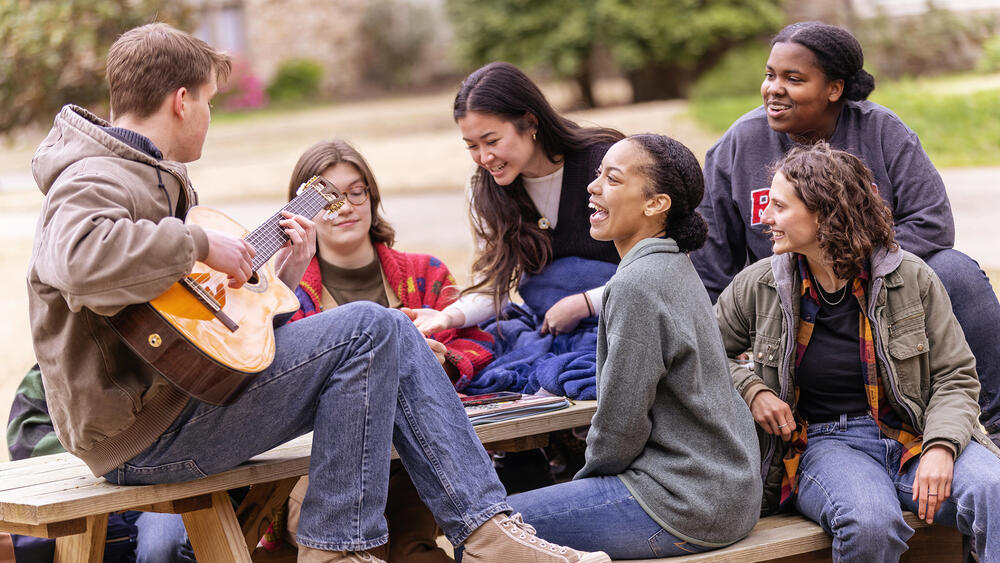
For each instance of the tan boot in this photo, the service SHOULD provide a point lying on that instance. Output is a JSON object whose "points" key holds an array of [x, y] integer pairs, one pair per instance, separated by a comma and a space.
{"points": [[312, 555], [509, 540]]}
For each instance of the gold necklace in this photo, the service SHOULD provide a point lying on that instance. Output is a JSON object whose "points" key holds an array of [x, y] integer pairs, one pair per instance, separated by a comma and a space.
{"points": [[543, 221]]}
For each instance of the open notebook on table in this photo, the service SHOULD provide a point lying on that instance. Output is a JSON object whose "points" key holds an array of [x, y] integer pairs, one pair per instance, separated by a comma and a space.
{"points": [[506, 410]]}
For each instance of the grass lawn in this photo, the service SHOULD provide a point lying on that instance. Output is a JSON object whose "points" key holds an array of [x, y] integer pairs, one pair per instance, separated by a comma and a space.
{"points": [[957, 117]]}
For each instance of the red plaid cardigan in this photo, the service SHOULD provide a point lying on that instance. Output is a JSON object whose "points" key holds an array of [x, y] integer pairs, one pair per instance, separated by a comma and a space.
{"points": [[420, 281]]}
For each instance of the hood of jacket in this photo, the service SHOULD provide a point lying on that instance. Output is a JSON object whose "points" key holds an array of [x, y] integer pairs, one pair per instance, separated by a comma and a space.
{"points": [[77, 133]]}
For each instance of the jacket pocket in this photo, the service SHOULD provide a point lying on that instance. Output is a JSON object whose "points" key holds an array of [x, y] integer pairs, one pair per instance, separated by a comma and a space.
{"points": [[766, 350], [908, 346], [766, 357]]}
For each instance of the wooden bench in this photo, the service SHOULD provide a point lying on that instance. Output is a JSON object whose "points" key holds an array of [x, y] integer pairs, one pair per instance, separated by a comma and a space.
{"points": [[57, 497], [789, 537]]}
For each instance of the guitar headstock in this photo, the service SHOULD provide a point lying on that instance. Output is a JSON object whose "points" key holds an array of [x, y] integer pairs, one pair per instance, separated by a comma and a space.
{"points": [[335, 198]]}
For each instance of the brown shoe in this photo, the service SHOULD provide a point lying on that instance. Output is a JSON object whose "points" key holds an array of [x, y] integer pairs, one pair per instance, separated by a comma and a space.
{"points": [[508, 539], [312, 555]]}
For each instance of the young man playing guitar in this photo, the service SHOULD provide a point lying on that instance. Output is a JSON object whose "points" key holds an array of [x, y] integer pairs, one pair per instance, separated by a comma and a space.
{"points": [[360, 377]]}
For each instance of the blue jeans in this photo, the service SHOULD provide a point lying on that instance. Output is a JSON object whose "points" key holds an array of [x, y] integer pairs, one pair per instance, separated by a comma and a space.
{"points": [[598, 514], [976, 307], [161, 538], [851, 485], [361, 378]]}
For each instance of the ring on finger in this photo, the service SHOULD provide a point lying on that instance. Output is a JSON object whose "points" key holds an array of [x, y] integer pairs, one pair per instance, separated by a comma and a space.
{"points": [[932, 494], [782, 425]]}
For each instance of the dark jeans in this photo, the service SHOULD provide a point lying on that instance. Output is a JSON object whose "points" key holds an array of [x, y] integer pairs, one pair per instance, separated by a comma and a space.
{"points": [[976, 307]]}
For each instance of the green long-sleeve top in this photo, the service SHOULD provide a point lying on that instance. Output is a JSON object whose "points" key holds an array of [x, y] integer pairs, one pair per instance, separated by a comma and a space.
{"points": [[669, 423]]}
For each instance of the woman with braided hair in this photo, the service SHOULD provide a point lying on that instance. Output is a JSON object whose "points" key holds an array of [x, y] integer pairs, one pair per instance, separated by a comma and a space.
{"points": [[672, 461], [815, 88]]}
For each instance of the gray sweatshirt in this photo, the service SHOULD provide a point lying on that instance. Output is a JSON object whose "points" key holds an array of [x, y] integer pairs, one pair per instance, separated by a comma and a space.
{"points": [[669, 423], [737, 178]]}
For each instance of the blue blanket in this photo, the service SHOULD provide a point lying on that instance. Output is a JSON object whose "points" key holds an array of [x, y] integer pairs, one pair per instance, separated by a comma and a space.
{"points": [[526, 360]]}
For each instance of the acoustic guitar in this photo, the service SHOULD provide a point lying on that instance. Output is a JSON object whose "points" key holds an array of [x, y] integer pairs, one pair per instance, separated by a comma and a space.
{"points": [[211, 340]]}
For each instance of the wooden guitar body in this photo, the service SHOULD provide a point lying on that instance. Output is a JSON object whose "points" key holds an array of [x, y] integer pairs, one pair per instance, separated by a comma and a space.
{"points": [[205, 337]]}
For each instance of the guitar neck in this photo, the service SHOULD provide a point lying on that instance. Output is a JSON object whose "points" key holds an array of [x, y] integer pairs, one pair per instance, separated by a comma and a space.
{"points": [[270, 237]]}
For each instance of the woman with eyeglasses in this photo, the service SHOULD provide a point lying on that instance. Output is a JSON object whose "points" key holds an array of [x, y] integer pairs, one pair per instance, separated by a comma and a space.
{"points": [[355, 261]]}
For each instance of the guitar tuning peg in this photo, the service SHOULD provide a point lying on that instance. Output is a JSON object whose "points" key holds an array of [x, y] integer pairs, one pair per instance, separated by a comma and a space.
{"points": [[330, 215], [301, 189]]}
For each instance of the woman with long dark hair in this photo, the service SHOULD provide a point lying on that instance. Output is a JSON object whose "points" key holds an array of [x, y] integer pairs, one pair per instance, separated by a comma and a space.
{"points": [[815, 88], [528, 196], [860, 381]]}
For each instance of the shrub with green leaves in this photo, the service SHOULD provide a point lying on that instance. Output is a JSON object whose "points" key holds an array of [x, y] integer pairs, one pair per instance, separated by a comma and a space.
{"points": [[52, 52], [296, 80], [989, 60]]}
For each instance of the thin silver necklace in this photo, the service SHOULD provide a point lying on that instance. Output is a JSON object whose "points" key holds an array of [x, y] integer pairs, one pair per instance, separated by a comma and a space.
{"points": [[842, 291]]}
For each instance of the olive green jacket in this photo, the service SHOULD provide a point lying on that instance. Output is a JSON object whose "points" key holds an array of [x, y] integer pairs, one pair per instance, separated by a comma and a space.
{"points": [[920, 348]]}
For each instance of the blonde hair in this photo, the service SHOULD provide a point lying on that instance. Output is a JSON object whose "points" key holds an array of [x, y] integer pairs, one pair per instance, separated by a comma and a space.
{"points": [[148, 63]]}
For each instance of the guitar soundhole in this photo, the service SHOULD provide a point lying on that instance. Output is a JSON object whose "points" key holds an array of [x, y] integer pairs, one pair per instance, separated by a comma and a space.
{"points": [[256, 283]]}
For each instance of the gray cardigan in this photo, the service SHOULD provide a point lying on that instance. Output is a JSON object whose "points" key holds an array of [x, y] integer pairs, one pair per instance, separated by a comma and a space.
{"points": [[669, 423]]}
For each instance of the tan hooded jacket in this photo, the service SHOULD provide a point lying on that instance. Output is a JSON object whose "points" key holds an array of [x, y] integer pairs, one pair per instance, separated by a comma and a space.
{"points": [[108, 236]]}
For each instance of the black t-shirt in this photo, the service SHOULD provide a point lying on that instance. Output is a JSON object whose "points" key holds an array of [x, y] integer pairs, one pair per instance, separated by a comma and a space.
{"points": [[829, 375]]}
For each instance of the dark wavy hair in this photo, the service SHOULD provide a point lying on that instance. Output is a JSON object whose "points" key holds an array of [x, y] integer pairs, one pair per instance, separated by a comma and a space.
{"points": [[325, 154], [672, 169], [853, 218], [838, 53], [506, 217]]}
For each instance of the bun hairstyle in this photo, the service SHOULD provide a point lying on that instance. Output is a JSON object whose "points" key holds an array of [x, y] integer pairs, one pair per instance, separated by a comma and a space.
{"points": [[838, 53], [672, 169], [853, 219]]}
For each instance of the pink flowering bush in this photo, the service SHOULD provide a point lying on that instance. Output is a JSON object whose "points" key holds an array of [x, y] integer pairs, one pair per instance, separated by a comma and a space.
{"points": [[243, 90]]}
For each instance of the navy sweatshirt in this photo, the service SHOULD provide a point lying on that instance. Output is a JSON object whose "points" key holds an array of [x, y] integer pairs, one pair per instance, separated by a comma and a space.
{"points": [[737, 178]]}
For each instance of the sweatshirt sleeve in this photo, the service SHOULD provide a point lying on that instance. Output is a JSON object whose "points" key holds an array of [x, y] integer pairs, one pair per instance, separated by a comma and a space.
{"points": [[95, 250], [627, 381], [724, 253], [921, 211]]}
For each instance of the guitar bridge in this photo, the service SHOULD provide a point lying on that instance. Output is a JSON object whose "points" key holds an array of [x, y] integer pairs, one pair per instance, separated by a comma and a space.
{"points": [[209, 302]]}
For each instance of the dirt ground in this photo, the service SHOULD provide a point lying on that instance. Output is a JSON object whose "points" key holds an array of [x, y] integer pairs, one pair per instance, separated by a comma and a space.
{"points": [[420, 163]]}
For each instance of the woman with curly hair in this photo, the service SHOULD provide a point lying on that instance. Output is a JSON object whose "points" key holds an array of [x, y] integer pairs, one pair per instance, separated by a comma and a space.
{"points": [[671, 459], [860, 380], [815, 88]]}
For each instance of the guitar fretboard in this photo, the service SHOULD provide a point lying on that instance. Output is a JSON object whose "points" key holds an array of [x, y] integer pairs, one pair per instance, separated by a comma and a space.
{"points": [[270, 237]]}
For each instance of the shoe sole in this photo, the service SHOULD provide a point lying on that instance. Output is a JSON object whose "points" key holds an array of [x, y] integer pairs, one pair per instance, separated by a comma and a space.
{"points": [[596, 557]]}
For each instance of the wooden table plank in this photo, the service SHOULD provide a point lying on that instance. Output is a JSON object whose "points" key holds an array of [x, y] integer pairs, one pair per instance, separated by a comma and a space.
{"points": [[64, 489]]}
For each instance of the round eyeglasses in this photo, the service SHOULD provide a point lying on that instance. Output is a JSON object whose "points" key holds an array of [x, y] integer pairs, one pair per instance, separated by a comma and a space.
{"points": [[357, 194]]}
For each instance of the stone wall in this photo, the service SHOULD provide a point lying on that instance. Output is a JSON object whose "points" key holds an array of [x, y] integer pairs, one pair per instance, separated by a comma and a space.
{"points": [[323, 30]]}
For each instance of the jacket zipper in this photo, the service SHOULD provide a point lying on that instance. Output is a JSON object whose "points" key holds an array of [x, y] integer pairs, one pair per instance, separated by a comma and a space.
{"points": [[782, 387]]}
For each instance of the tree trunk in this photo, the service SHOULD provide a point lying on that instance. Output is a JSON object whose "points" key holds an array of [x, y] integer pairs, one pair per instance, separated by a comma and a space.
{"points": [[660, 81], [583, 82]]}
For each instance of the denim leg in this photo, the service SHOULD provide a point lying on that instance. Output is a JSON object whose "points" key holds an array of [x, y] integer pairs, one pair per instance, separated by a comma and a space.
{"points": [[436, 444], [162, 538], [976, 307], [338, 374], [974, 504], [598, 514], [846, 485]]}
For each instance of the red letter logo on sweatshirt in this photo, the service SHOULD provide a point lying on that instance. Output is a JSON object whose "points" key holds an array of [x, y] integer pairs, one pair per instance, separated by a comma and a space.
{"points": [[758, 201]]}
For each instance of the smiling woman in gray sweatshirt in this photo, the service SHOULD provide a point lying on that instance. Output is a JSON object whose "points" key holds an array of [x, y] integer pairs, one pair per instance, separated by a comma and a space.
{"points": [[672, 458]]}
